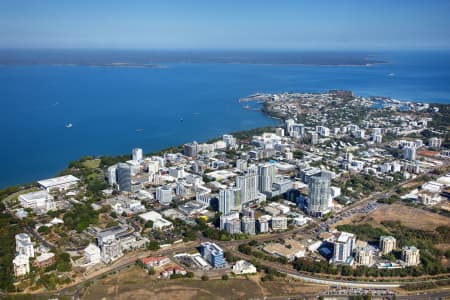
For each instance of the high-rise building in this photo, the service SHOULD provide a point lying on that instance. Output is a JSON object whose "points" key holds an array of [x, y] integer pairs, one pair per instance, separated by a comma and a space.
{"points": [[266, 177], [387, 244], [137, 154], [279, 223], [364, 256], [226, 218], [123, 174], [233, 226], [343, 247], [164, 194], [409, 153], [21, 265], [411, 255], [434, 142], [24, 245], [314, 138], [213, 254], [190, 149], [319, 201], [111, 249], [263, 223], [248, 184], [112, 175], [248, 225], [229, 200], [229, 140]]}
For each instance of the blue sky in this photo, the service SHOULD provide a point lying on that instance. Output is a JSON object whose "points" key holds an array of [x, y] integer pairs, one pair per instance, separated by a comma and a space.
{"points": [[297, 24]]}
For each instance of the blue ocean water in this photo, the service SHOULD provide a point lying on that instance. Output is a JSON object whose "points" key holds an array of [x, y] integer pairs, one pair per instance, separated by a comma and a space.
{"points": [[106, 104]]}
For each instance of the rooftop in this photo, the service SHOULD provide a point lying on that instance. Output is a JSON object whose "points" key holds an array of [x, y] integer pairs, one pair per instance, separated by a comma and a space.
{"points": [[58, 181]]}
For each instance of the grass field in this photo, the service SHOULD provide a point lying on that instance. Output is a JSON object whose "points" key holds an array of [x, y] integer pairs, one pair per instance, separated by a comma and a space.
{"points": [[92, 163], [409, 216], [136, 284]]}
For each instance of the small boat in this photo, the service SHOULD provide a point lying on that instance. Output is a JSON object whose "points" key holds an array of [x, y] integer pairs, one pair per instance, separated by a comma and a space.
{"points": [[181, 120], [69, 125], [139, 129]]}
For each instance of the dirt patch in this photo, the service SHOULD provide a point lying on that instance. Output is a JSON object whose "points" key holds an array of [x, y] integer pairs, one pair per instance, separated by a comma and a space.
{"points": [[136, 284], [415, 218]]}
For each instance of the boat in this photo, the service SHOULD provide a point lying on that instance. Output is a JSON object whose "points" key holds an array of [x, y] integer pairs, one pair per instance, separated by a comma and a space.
{"points": [[139, 129], [69, 125], [181, 120]]}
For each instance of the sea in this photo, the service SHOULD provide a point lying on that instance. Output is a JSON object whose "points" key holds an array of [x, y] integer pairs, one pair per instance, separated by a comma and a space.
{"points": [[156, 101]]}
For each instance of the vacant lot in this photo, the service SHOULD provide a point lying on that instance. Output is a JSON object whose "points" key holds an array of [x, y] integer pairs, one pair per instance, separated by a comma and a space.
{"points": [[409, 216], [135, 284]]}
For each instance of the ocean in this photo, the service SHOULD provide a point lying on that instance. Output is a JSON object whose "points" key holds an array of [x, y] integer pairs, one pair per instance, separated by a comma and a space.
{"points": [[178, 102]]}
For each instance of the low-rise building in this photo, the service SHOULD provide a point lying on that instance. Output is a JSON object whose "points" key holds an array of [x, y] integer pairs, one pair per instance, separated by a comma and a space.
{"points": [[243, 267], [59, 183], [40, 201], [291, 249], [154, 262], [44, 260], [158, 221]]}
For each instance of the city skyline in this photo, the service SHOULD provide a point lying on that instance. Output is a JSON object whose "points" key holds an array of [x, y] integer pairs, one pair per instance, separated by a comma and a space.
{"points": [[231, 25]]}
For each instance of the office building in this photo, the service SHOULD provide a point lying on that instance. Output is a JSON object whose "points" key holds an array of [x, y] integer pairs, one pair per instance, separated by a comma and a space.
{"points": [[319, 201], [266, 177], [343, 247], [213, 254], [164, 194], [387, 244], [411, 255], [123, 175]]}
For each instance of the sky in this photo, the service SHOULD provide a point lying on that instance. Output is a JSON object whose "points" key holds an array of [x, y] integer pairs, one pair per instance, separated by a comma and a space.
{"points": [[225, 24]]}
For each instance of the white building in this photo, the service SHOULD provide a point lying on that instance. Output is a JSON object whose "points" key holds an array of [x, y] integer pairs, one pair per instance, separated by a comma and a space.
{"points": [[158, 221], [279, 223], [38, 201], [111, 250], [137, 154], [243, 267], [60, 183], [164, 194], [112, 176], [411, 255], [92, 254], [24, 245], [343, 247], [364, 256], [387, 244], [248, 225], [229, 200], [263, 223], [409, 153], [21, 265], [229, 140]]}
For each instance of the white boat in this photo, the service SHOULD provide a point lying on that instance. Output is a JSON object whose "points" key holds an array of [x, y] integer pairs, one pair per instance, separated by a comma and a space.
{"points": [[69, 125]]}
